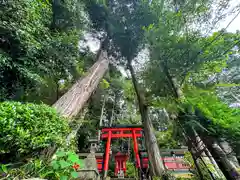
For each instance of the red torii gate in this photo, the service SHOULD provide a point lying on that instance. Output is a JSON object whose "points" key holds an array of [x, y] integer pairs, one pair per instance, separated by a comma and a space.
{"points": [[109, 133]]}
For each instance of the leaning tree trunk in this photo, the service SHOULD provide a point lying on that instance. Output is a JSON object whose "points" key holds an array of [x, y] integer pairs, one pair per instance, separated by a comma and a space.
{"points": [[216, 149], [156, 163], [230, 153], [192, 152], [207, 157], [70, 104], [73, 101], [228, 165], [153, 151], [199, 145]]}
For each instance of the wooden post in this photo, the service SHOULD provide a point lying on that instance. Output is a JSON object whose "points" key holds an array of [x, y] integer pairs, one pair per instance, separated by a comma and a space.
{"points": [[107, 151], [135, 148]]}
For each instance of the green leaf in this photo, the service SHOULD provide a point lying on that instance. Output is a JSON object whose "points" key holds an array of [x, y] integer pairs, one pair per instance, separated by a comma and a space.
{"points": [[73, 157], [46, 174], [63, 178], [104, 84], [4, 168], [55, 165], [35, 127], [61, 154], [74, 174], [64, 164]]}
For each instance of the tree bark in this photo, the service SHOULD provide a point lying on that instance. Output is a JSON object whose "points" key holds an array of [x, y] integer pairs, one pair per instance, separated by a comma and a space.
{"points": [[206, 157], [177, 92], [154, 156], [73, 101], [76, 128], [227, 164], [217, 151], [199, 144], [101, 118], [70, 104], [192, 152], [112, 113], [229, 152], [220, 173]]}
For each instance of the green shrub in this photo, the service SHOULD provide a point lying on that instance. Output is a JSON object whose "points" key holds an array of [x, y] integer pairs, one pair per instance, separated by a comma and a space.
{"points": [[131, 170], [63, 166], [28, 128]]}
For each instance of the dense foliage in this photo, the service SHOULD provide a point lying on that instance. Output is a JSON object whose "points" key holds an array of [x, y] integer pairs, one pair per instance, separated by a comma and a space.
{"points": [[28, 128], [218, 118], [39, 46]]}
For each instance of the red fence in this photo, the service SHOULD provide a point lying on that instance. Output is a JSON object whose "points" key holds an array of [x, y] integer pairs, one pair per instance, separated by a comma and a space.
{"points": [[171, 163]]}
